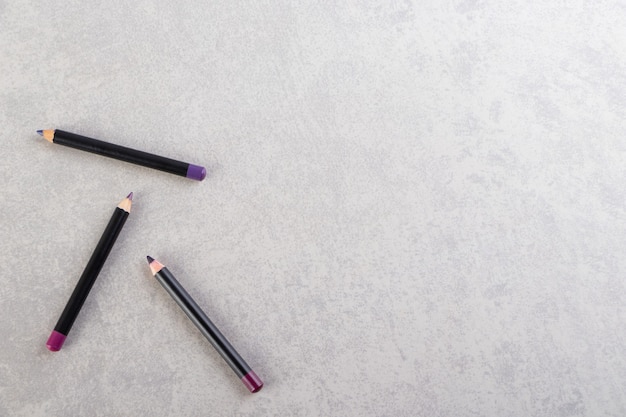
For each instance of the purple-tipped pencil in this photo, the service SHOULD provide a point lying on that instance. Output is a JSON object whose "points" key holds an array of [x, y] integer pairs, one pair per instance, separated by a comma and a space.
{"points": [[206, 326], [184, 169], [88, 278]]}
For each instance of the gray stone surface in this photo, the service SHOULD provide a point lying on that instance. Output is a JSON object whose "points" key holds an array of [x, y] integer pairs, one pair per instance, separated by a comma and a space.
{"points": [[412, 208]]}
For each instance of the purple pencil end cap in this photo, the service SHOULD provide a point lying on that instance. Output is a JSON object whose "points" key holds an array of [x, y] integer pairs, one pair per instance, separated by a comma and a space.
{"points": [[252, 382], [196, 172], [55, 341]]}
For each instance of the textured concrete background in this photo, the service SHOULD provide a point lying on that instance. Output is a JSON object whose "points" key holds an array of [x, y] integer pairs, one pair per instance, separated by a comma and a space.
{"points": [[412, 208]]}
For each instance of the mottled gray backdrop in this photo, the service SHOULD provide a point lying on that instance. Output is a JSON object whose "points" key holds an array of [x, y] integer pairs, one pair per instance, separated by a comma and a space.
{"points": [[412, 208]]}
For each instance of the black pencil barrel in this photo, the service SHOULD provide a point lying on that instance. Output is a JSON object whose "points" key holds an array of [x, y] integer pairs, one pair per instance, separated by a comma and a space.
{"points": [[88, 278], [202, 322], [121, 153]]}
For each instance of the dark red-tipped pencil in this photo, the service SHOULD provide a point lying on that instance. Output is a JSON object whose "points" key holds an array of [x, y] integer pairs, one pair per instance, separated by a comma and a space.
{"points": [[206, 327], [184, 169], [87, 279]]}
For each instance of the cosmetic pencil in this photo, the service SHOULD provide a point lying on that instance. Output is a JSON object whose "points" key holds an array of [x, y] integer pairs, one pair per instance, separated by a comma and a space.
{"points": [[87, 279], [184, 169], [205, 325]]}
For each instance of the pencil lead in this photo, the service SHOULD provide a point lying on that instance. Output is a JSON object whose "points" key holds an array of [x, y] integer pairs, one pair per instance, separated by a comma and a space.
{"points": [[150, 259], [40, 132], [130, 196]]}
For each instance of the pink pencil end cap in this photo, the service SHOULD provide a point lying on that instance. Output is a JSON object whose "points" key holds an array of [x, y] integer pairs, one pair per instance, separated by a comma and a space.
{"points": [[252, 382], [55, 341]]}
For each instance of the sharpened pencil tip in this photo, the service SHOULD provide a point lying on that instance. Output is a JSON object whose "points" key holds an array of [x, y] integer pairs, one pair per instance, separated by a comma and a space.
{"points": [[150, 259], [40, 132], [130, 196]]}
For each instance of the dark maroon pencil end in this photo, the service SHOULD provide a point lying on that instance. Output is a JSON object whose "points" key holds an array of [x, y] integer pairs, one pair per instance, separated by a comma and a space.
{"points": [[252, 382], [55, 341], [150, 259], [196, 172]]}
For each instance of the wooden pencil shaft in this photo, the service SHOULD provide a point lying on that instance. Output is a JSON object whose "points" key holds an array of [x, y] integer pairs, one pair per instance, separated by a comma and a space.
{"points": [[91, 271], [202, 322], [121, 153]]}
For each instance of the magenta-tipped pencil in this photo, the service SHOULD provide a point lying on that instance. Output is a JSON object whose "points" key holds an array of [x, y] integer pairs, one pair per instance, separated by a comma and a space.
{"points": [[88, 278], [122, 153], [206, 326]]}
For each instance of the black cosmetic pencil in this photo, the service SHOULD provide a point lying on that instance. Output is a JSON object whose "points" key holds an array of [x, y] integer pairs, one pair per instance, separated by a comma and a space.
{"points": [[87, 279], [206, 327], [184, 169]]}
